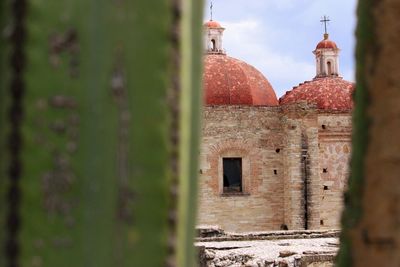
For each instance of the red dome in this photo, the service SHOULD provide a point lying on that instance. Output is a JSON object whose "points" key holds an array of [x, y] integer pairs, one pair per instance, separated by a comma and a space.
{"points": [[326, 43], [212, 24], [329, 93], [229, 81]]}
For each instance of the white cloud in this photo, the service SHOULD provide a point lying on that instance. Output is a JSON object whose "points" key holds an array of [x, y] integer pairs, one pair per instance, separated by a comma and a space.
{"points": [[243, 40]]}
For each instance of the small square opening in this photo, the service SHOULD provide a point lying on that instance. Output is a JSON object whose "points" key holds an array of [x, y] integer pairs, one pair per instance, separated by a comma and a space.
{"points": [[232, 175]]}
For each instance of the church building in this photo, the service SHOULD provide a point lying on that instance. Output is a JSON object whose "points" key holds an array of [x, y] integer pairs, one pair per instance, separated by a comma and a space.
{"points": [[269, 163]]}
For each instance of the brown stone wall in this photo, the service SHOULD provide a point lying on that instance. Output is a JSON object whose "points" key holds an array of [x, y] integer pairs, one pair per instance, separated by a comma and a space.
{"points": [[280, 148], [310, 130], [292, 174], [334, 150], [301, 165], [255, 134]]}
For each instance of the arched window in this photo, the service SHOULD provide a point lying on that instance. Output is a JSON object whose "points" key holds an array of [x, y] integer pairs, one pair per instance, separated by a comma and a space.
{"points": [[329, 68], [213, 45]]}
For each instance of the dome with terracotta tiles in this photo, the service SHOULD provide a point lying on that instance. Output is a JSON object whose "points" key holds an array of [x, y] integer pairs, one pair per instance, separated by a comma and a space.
{"points": [[229, 81], [327, 93], [212, 24], [327, 43]]}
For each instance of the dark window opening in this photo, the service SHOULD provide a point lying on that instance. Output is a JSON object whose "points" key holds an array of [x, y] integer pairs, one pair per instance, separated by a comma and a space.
{"points": [[324, 170], [326, 187], [232, 175], [213, 45], [329, 68], [277, 150], [275, 172], [323, 126], [321, 222]]}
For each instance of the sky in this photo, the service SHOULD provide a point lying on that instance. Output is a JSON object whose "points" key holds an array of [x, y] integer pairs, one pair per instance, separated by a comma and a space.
{"points": [[278, 36]]}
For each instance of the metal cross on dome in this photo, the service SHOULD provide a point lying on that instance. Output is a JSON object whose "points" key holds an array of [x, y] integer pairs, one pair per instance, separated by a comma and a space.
{"points": [[325, 20], [211, 10]]}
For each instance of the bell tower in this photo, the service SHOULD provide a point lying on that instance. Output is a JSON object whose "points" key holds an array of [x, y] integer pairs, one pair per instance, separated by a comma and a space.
{"points": [[327, 56], [213, 37]]}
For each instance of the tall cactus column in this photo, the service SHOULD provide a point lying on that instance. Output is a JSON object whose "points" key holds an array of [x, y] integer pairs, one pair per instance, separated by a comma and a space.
{"points": [[191, 101], [109, 133], [371, 220], [4, 74], [13, 116]]}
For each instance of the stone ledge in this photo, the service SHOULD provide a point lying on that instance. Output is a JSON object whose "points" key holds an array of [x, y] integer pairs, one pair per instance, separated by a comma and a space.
{"points": [[307, 252], [235, 194], [270, 235]]}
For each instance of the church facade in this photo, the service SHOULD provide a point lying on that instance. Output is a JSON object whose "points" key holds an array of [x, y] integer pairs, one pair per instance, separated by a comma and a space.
{"points": [[269, 164]]}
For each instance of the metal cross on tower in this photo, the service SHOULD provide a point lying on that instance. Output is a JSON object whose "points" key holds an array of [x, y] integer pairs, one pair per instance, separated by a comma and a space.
{"points": [[211, 10], [325, 20]]}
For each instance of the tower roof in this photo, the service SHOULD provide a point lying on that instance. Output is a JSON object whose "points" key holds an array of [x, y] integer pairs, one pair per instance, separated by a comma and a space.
{"points": [[326, 43], [212, 24], [229, 81], [328, 93]]}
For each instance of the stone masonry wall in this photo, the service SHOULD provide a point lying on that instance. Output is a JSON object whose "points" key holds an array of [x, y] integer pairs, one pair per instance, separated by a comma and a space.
{"points": [[272, 142], [293, 182], [334, 150], [309, 124], [255, 135], [301, 166]]}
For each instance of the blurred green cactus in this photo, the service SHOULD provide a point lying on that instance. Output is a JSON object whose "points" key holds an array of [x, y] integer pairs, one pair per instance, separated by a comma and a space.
{"points": [[110, 97], [370, 220], [353, 209], [3, 75]]}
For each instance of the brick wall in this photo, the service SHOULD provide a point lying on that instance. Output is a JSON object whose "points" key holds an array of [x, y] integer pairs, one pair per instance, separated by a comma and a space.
{"points": [[270, 141], [334, 157]]}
